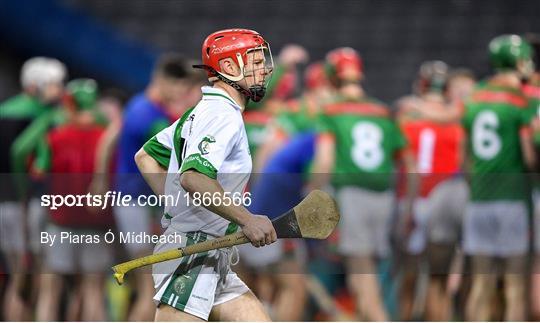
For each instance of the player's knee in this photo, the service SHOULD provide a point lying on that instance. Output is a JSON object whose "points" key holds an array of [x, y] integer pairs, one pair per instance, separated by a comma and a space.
{"points": [[166, 313]]}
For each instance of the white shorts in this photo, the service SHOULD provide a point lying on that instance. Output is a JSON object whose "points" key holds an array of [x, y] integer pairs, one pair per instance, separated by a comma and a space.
{"points": [[447, 204], [12, 227], [438, 217], [262, 257], [72, 258], [197, 283], [496, 229], [364, 224], [134, 219], [37, 222]]}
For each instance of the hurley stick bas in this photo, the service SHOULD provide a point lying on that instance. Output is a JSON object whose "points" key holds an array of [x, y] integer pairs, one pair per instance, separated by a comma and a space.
{"points": [[314, 217]]}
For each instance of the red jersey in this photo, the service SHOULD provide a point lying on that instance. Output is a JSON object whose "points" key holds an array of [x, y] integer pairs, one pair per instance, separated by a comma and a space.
{"points": [[73, 152], [437, 149]]}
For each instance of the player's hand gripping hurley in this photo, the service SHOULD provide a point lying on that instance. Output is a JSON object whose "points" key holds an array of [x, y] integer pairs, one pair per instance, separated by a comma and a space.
{"points": [[315, 217]]}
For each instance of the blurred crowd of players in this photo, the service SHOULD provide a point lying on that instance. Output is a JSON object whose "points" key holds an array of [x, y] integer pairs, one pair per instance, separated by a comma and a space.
{"points": [[436, 190]]}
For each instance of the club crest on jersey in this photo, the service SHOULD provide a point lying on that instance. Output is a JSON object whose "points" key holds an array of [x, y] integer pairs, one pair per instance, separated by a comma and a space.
{"points": [[205, 144], [180, 284]]}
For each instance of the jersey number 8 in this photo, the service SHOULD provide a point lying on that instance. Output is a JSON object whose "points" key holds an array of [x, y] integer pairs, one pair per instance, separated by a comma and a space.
{"points": [[367, 152]]}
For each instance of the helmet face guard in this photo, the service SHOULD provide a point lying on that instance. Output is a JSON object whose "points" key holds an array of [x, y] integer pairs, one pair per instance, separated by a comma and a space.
{"points": [[260, 63]]}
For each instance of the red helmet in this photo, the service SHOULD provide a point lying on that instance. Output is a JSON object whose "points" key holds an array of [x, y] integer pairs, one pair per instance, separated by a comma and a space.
{"points": [[315, 76], [235, 44], [344, 63]]}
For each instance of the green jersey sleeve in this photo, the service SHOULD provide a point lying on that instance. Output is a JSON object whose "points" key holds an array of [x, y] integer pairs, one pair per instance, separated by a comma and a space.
{"points": [[160, 146], [26, 142], [43, 156]]}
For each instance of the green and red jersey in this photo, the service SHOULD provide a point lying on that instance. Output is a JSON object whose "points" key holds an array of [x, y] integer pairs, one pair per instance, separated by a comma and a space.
{"points": [[494, 117], [367, 140], [532, 92], [72, 152], [255, 122], [297, 117], [437, 150], [16, 116]]}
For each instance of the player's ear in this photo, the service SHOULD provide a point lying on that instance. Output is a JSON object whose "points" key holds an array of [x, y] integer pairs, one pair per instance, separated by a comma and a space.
{"points": [[228, 66]]}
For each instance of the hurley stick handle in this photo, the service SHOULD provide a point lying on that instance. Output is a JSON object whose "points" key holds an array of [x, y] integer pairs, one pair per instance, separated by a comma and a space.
{"points": [[224, 242]]}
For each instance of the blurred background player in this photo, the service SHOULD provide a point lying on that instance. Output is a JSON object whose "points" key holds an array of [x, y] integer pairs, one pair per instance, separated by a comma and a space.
{"points": [[356, 149], [284, 84], [272, 275], [278, 272], [175, 86], [297, 115], [42, 81], [282, 87], [111, 105], [71, 154], [531, 89], [284, 160], [438, 209], [444, 227], [495, 224], [460, 85]]}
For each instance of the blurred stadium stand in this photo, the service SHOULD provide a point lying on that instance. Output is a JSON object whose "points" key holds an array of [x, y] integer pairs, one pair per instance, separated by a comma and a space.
{"points": [[88, 47], [393, 36]]}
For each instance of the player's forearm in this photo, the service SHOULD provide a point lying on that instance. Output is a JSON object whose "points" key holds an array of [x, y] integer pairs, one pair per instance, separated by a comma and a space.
{"points": [[323, 164], [527, 148], [152, 172], [321, 173], [320, 177], [443, 114], [42, 162], [413, 180], [195, 182], [105, 149]]}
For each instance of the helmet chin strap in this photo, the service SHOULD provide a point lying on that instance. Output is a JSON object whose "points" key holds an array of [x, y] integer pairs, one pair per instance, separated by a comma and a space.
{"points": [[254, 93], [257, 92]]}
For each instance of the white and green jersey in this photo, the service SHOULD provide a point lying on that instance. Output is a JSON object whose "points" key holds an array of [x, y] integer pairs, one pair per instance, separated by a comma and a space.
{"points": [[211, 139]]}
